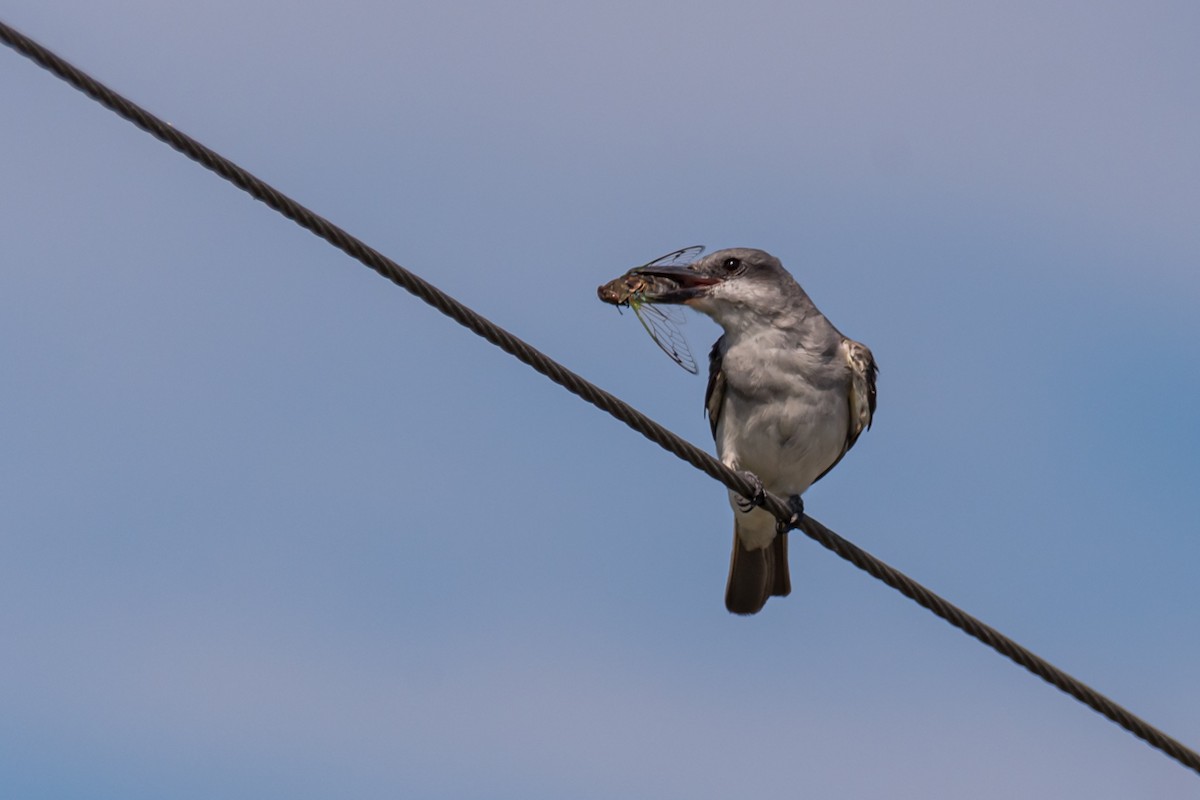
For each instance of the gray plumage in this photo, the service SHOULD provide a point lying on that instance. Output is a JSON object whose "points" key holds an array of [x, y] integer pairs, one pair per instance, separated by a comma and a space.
{"points": [[788, 396]]}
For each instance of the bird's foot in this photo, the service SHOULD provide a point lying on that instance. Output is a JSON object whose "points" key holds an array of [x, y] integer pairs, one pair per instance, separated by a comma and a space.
{"points": [[796, 506], [748, 504]]}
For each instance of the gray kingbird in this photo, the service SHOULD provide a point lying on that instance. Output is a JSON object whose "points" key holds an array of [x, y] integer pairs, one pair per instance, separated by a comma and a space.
{"points": [[788, 396]]}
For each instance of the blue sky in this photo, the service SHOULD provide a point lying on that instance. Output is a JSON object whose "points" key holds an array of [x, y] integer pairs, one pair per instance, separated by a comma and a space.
{"points": [[270, 527]]}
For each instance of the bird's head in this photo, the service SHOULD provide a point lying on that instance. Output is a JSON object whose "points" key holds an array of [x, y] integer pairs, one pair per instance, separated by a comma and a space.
{"points": [[737, 281]]}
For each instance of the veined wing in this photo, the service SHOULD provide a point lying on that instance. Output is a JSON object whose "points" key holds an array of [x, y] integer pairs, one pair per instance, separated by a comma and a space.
{"points": [[662, 323], [677, 258]]}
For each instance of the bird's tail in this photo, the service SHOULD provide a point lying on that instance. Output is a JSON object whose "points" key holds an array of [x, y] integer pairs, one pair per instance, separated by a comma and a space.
{"points": [[755, 575]]}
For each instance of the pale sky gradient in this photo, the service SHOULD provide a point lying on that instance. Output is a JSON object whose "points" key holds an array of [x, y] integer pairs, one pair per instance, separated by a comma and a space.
{"points": [[270, 527]]}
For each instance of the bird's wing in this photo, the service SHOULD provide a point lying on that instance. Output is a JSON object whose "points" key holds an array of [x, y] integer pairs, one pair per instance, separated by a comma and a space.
{"points": [[860, 397], [863, 371], [714, 396]]}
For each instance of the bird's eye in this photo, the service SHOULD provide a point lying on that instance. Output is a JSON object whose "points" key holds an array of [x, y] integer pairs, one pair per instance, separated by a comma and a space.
{"points": [[732, 264]]}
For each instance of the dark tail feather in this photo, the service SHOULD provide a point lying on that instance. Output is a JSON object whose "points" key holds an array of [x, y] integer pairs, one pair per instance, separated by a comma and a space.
{"points": [[783, 574], [755, 575]]}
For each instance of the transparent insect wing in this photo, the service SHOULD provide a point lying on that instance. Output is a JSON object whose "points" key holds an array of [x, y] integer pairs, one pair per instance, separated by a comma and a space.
{"points": [[662, 323], [677, 258]]}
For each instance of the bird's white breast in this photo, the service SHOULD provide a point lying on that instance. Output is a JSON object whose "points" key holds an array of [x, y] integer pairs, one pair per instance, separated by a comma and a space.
{"points": [[786, 414]]}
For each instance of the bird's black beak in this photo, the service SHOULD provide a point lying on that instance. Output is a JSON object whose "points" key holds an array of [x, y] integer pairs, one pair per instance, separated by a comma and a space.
{"points": [[675, 284]]}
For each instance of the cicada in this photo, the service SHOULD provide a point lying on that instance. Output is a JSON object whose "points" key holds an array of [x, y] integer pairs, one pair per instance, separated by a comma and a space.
{"points": [[660, 321]]}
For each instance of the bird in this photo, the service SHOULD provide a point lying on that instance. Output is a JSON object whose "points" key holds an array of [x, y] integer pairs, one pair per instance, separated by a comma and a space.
{"points": [[788, 395]]}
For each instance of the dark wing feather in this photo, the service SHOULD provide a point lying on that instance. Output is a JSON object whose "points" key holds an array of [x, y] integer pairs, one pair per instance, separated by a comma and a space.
{"points": [[863, 371], [861, 396], [714, 395]]}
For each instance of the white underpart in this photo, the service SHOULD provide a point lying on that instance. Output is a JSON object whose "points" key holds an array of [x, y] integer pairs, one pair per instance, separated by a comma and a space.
{"points": [[786, 413]]}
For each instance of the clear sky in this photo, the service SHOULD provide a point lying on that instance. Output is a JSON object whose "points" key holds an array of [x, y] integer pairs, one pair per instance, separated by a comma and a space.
{"points": [[271, 527]]}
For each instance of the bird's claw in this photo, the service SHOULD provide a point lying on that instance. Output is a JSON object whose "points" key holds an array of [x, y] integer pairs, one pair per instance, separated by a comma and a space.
{"points": [[796, 506], [748, 504]]}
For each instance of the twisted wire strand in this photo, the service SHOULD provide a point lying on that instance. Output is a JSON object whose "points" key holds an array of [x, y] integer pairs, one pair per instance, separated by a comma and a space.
{"points": [[593, 394]]}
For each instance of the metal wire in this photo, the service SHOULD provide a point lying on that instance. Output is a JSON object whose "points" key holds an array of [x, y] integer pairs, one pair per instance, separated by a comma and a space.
{"points": [[592, 393]]}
